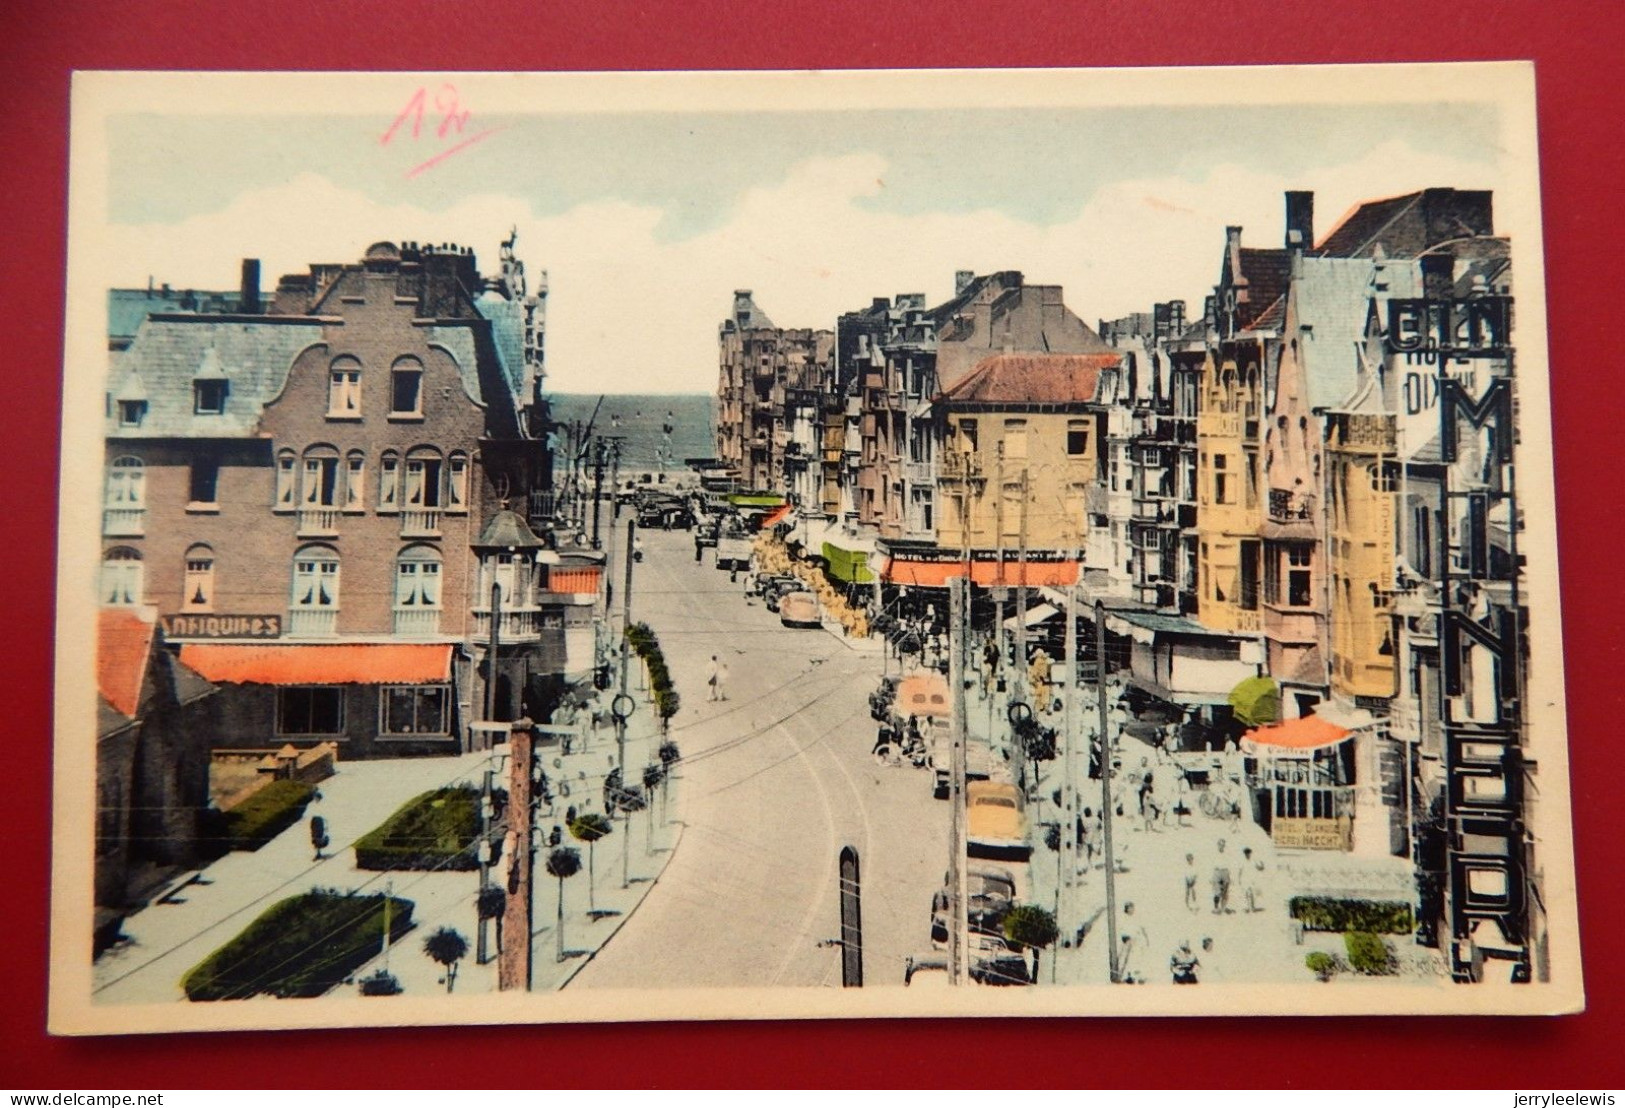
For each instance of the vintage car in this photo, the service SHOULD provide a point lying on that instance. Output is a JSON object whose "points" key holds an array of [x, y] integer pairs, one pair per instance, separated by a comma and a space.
{"points": [[799, 609], [996, 821], [990, 891]]}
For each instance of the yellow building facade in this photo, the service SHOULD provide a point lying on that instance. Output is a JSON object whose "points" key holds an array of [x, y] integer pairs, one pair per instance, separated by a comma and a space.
{"points": [[1229, 504], [1361, 477]]}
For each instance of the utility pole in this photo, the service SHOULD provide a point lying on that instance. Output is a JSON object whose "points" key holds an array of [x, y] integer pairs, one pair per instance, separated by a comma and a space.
{"points": [[1021, 598], [620, 719], [958, 940], [1106, 794], [615, 478], [482, 954], [514, 960], [1069, 784], [597, 488]]}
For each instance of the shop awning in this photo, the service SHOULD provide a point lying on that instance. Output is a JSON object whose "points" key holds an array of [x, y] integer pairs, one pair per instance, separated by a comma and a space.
{"points": [[923, 694], [337, 664], [1303, 733], [913, 571], [776, 516], [851, 566], [1256, 701]]}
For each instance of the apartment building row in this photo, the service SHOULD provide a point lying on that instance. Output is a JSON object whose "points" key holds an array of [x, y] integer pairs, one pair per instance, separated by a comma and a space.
{"points": [[1309, 482]]}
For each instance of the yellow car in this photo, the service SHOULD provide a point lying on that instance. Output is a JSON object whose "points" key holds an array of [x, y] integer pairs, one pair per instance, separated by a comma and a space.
{"points": [[996, 821]]}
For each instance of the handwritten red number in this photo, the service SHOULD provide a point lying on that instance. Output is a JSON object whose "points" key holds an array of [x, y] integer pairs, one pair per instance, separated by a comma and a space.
{"points": [[414, 108], [446, 102]]}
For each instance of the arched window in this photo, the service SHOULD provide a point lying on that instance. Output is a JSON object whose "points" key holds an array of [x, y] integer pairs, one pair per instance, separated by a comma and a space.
{"points": [[389, 482], [406, 388], [314, 606], [417, 591], [197, 593], [126, 484], [121, 577], [344, 389], [287, 479], [457, 482], [423, 474], [320, 488], [355, 480]]}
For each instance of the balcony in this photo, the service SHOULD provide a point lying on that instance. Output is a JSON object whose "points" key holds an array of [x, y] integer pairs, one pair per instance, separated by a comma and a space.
{"points": [[542, 505], [124, 522], [313, 623], [518, 624], [420, 523], [318, 523], [1287, 506], [417, 623], [919, 473], [960, 465]]}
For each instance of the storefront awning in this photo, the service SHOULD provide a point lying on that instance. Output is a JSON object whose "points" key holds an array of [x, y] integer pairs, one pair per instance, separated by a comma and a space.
{"points": [[913, 571], [923, 694], [850, 566], [1303, 733], [337, 664], [776, 516]]}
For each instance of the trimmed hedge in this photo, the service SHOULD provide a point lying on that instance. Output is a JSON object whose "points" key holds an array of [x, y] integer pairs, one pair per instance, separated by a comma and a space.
{"points": [[437, 830], [1326, 913], [263, 816], [299, 947], [1321, 964], [642, 640], [1368, 953]]}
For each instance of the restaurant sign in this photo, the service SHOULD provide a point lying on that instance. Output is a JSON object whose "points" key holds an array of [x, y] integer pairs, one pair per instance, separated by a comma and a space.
{"points": [[191, 626]]}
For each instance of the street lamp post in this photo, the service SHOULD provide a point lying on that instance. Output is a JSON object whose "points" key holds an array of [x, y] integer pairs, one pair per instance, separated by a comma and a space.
{"points": [[1106, 794]]}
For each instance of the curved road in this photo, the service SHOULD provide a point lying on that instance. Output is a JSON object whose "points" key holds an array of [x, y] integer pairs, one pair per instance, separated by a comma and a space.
{"points": [[774, 781]]}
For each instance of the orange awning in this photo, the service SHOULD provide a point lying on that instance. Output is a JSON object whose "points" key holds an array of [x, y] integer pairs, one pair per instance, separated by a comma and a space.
{"points": [[775, 516], [1303, 733], [338, 664], [579, 580], [923, 694], [936, 575]]}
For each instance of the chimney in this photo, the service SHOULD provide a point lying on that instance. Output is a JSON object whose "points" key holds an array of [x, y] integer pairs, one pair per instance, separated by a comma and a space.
{"points": [[1232, 237], [250, 287], [1300, 221], [1176, 317], [962, 280], [1438, 275], [1210, 312]]}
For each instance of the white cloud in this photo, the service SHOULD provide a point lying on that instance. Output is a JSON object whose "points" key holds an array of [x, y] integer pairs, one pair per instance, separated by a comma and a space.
{"points": [[631, 313]]}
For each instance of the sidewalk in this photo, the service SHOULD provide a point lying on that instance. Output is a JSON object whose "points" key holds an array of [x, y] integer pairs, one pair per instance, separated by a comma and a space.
{"points": [[168, 939]]}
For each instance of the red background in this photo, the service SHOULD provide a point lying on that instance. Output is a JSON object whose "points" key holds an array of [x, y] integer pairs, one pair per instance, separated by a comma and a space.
{"points": [[1578, 48]]}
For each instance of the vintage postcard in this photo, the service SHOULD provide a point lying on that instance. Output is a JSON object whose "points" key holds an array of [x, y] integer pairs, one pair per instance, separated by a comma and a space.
{"points": [[546, 547]]}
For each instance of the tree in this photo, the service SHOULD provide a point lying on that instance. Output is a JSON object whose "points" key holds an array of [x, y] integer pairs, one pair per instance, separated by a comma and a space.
{"points": [[589, 829], [491, 902], [653, 774], [318, 836], [669, 757], [1029, 925], [564, 862], [447, 947], [380, 983]]}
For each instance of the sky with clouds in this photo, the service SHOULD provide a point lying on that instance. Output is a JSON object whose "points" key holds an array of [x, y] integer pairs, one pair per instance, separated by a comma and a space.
{"points": [[646, 223]]}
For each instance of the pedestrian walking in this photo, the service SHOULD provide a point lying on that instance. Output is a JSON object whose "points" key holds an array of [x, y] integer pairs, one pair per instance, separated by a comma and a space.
{"points": [[1221, 883], [1184, 965], [1251, 873], [1190, 883], [713, 679], [1133, 947], [722, 681]]}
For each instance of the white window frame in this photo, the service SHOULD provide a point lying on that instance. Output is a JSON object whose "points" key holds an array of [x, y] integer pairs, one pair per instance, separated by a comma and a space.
{"points": [[203, 385], [344, 389], [311, 487], [389, 482], [126, 483], [456, 499], [122, 581], [355, 481], [404, 366], [198, 580], [287, 482], [315, 567]]}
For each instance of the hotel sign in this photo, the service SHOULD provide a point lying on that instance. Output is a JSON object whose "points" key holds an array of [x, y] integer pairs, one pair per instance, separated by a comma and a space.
{"points": [[1313, 834], [191, 626]]}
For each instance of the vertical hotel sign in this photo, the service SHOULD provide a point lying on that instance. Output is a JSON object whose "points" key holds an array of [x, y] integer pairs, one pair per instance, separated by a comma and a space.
{"points": [[195, 626]]}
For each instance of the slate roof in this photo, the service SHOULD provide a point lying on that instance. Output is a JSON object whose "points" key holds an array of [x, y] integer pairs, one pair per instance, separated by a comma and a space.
{"points": [[506, 529], [1361, 227], [1032, 379], [1329, 297], [168, 352], [127, 308], [1405, 226]]}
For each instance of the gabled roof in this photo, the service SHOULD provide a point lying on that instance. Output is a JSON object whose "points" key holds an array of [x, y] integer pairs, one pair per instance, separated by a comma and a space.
{"points": [[1364, 225], [1032, 379], [1267, 273], [123, 649], [1406, 226]]}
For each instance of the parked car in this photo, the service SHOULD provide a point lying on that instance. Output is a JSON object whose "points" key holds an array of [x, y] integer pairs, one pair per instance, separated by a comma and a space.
{"points": [[777, 588], [989, 893], [799, 609], [996, 821], [926, 969], [705, 533], [993, 961]]}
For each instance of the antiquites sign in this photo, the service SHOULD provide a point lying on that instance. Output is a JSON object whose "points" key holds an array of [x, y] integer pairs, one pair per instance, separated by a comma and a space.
{"points": [[222, 627]]}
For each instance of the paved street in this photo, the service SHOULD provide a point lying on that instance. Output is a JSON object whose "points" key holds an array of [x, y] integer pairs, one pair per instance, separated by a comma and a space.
{"points": [[775, 780]]}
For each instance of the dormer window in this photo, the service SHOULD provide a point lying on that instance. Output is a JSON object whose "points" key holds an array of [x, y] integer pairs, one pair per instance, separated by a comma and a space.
{"points": [[209, 396], [131, 412]]}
